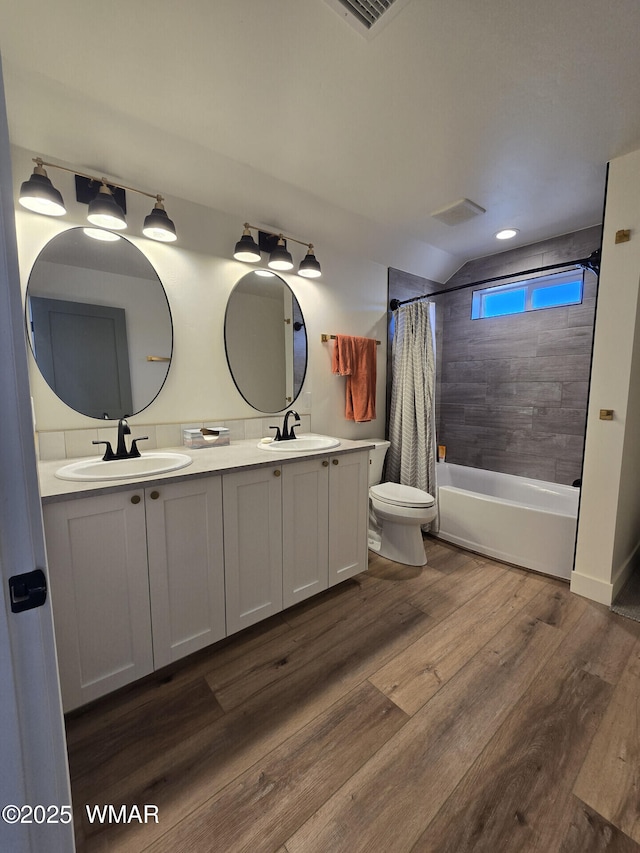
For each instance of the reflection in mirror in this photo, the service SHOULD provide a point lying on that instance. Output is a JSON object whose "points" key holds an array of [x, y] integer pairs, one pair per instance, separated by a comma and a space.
{"points": [[99, 324], [266, 341]]}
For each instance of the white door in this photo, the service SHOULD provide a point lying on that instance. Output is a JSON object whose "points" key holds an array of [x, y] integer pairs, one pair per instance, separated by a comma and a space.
{"points": [[32, 745], [82, 352]]}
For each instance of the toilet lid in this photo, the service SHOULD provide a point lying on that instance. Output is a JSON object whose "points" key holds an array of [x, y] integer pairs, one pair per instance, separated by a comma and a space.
{"points": [[399, 495]]}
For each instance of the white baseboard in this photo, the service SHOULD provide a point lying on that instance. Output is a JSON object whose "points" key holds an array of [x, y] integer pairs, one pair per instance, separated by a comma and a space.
{"points": [[605, 592]]}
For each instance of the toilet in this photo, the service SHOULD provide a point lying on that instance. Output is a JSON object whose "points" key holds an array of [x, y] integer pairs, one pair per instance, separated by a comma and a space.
{"points": [[396, 514]]}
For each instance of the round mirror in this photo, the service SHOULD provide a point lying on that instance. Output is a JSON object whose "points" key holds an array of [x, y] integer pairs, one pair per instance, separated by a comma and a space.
{"points": [[266, 341], [99, 324]]}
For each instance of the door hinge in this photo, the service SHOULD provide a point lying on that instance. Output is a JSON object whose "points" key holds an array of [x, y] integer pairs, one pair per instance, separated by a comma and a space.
{"points": [[27, 591]]}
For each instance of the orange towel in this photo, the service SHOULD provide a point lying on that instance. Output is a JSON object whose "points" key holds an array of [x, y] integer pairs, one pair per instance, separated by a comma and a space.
{"points": [[355, 358]]}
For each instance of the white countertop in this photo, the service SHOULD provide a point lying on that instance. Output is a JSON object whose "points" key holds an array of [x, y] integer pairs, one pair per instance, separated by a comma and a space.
{"points": [[207, 460]]}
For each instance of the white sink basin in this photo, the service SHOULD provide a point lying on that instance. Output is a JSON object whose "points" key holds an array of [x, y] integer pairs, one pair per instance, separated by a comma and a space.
{"points": [[301, 443], [151, 462]]}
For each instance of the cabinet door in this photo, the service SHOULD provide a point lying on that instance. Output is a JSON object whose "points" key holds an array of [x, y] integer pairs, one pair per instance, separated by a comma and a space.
{"points": [[252, 545], [305, 545], [97, 556], [348, 515], [186, 569]]}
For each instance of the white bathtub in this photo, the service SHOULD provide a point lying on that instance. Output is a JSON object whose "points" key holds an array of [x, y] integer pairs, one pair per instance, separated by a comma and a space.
{"points": [[526, 522]]}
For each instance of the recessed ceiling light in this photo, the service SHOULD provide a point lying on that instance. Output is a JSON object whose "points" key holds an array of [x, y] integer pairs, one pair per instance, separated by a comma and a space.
{"points": [[506, 233]]}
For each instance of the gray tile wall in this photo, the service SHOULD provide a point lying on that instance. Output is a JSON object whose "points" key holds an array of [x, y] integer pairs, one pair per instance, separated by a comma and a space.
{"points": [[512, 391]]}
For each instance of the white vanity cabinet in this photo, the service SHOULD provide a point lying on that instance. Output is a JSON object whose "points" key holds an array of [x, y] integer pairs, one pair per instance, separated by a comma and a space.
{"points": [[252, 545], [305, 541], [142, 577], [291, 531], [97, 557], [348, 515], [137, 581], [186, 567]]}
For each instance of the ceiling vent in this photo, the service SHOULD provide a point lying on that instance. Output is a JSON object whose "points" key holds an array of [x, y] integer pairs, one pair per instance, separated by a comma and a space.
{"points": [[368, 17], [458, 212]]}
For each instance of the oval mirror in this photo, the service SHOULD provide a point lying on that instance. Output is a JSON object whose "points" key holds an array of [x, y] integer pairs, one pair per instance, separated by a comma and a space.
{"points": [[266, 341], [99, 324]]}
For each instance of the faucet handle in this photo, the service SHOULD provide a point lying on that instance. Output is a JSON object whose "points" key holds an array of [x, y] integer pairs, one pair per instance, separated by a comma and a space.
{"points": [[278, 436], [134, 452], [108, 453], [291, 430]]}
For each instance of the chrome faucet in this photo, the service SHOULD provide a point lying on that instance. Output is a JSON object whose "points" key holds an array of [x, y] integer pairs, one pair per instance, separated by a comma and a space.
{"points": [[121, 448]]}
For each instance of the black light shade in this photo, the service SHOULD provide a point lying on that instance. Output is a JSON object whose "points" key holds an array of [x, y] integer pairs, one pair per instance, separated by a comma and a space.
{"points": [[309, 266], [158, 226], [105, 212], [280, 258], [39, 195], [247, 249]]}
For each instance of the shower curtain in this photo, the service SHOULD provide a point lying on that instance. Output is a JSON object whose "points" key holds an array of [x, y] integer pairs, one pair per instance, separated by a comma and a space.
{"points": [[412, 456]]}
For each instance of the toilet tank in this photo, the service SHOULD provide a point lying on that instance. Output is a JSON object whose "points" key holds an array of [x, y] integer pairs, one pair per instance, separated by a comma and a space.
{"points": [[376, 459]]}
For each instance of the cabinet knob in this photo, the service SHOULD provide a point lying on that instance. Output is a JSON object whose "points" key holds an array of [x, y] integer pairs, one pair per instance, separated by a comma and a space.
{"points": [[335, 461], [325, 463], [276, 473], [135, 499], [154, 495]]}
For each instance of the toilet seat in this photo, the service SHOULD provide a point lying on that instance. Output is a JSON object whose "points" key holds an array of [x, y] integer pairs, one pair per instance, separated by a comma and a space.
{"points": [[398, 495]]}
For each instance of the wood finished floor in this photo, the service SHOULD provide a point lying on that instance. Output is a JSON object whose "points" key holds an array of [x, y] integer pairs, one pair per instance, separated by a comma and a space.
{"points": [[464, 706]]}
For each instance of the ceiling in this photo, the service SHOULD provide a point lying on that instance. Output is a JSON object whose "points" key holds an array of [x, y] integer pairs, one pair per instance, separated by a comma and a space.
{"points": [[242, 105]]}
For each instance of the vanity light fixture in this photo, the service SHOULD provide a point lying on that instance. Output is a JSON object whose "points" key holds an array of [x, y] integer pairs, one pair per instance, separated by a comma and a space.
{"points": [[247, 249], [280, 259], [39, 195], [309, 266], [104, 210], [157, 224]]}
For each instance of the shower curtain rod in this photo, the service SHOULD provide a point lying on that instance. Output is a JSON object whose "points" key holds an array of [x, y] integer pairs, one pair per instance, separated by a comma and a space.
{"points": [[591, 263]]}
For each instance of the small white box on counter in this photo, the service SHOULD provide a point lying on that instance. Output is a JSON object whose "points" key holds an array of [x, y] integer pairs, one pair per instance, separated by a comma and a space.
{"points": [[214, 436]]}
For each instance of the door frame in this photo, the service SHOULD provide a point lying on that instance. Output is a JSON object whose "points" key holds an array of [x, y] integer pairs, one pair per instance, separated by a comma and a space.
{"points": [[33, 753]]}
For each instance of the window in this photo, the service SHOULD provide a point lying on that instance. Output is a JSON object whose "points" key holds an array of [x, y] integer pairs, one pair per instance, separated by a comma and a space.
{"points": [[533, 294]]}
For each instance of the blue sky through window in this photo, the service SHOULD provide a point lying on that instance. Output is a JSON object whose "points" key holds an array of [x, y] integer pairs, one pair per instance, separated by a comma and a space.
{"points": [[559, 294], [550, 291], [505, 302]]}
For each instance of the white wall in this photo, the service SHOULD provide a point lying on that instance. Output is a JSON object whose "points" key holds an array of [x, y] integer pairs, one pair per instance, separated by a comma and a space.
{"points": [[608, 541], [198, 273]]}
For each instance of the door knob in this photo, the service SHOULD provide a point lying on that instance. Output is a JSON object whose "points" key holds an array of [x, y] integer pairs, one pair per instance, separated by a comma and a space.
{"points": [[154, 495], [135, 499]]}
